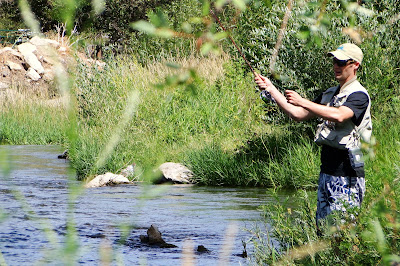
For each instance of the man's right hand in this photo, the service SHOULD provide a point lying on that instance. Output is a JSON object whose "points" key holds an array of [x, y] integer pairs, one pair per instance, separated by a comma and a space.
{"points": [[263, 82]]}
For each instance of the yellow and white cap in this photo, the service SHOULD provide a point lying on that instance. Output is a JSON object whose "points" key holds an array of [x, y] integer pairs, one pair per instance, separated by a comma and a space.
{"points": [[348, 51]]}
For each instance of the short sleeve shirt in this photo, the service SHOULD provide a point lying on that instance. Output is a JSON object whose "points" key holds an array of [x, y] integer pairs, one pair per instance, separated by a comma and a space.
{"points": [[335, 161]]}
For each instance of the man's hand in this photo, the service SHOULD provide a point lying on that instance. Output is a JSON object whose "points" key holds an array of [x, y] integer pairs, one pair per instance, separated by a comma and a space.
{"points": [[294, 98], [262, 82]]}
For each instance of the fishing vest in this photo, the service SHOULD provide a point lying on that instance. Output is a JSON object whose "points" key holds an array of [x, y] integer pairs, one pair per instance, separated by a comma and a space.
{"points": [[344, 135]]}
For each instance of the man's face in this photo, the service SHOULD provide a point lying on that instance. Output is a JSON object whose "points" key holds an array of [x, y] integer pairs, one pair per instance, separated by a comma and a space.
{"points": [[344, 69]]}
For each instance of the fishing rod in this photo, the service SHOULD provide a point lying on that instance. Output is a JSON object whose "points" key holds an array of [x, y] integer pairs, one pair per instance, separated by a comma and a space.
{"points": [[264, 95], [234, 43]]}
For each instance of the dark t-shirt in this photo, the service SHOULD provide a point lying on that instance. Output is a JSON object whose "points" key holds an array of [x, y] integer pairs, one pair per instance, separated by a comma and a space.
{"points": [[335, 161]]}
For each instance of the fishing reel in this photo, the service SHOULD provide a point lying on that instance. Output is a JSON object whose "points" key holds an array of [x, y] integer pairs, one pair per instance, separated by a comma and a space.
{"points": [[266, 97]]}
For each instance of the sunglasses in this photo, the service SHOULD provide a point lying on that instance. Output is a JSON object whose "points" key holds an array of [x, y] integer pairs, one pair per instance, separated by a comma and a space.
{"points": [[342, 63]]}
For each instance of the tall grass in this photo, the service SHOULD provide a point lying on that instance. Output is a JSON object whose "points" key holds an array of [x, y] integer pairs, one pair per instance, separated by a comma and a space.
{"points": [[26, 119], [167, 123]]}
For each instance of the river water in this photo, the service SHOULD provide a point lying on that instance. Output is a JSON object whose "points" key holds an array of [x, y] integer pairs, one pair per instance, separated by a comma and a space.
{"points": [[35, 197]]}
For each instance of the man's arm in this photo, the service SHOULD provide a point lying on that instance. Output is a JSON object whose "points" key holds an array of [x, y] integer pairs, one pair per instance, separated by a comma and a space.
{"points": [[334, 114], [300, 109]]}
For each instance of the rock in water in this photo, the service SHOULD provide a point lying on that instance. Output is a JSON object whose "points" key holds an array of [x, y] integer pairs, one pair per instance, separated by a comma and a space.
{"points": [[154, 238], [154, 235], [108, 179], [175, 173]]}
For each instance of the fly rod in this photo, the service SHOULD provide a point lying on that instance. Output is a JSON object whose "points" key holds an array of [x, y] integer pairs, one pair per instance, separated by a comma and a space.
{"points": [[234, 43], [264, 95]]}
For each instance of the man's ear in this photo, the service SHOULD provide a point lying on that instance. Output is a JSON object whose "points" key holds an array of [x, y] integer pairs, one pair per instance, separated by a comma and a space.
{"points": [[357, 66]]}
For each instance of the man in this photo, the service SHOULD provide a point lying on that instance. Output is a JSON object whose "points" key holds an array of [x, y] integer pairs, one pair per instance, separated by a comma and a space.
{"points": [[345, 114]]}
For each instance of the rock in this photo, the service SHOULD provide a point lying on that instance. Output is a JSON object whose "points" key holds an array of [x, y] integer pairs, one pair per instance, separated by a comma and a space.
{"points": [[129, 171], [154, 238], [32, 74], [175, 173], [154, 235], [37, 41], [62, 49], [5, 71], [202, 249], [33, 62], [64, 155], [4, 85], [26, 48], [48, 75], [11, 51], [108, 179], [13, 66]]}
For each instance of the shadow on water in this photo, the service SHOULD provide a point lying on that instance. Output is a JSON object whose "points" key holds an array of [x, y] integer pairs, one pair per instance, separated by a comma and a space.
{"points": [[181, 212]]}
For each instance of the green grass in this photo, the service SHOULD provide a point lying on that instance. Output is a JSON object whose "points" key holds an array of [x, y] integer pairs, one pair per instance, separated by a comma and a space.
{"points": [[29, 122]]}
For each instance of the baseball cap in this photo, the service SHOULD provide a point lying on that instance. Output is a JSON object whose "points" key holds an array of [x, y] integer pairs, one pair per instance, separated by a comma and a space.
{"points": [[348, 51]]}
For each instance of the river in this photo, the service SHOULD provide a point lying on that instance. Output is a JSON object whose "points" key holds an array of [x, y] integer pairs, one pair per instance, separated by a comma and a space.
{"points": [[37, 201]]}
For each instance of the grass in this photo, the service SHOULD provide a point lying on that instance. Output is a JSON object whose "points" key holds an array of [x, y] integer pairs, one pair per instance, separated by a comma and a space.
{"points": [[24, 120], [166, 123]]}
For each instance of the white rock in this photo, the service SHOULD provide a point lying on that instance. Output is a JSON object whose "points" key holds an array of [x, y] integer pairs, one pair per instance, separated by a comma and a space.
{"points": [[32, 74], [11, 51], [176, 173], [129, 170], [108, 179], [4, 85], [13, 66], [36, 40], [26, 48], [33, 62], [62, 49], [48, 75]]}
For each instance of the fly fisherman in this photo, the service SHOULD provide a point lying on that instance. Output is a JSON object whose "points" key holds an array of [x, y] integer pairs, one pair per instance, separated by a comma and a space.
{"points": [[344, 111]]}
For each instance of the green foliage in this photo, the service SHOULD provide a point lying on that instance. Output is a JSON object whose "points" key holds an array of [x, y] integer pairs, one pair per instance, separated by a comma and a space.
{"points": [[167, 122], [32, 124], [271, 160]]}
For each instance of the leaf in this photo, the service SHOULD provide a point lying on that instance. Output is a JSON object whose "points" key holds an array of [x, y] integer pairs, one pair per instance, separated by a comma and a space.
{"points": [[165, 33], [220, 3], [220, 35], [98, 6], [186, 27], [206, 48], [206, 7], [144, 26], [241, 4], [173, 65], [159, 19], [303, 34]]}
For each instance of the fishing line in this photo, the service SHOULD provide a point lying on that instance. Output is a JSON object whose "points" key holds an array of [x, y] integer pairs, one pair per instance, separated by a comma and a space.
{"points": [[234, 43], [264, 95]]}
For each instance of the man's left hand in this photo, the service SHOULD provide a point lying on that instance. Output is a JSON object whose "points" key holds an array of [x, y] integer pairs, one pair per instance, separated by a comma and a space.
{"points": [[294, 98]]}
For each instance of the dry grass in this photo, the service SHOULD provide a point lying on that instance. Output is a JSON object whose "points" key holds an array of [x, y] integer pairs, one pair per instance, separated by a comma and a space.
{"points": [[209, 67]]}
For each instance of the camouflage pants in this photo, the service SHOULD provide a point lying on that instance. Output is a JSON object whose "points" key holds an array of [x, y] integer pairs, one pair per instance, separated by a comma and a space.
{"points": [[335, 193]]}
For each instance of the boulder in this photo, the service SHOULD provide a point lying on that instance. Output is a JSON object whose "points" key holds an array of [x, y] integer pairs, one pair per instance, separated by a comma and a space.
{"points": [[4, 85], [26, 48], [154, 238], [33, 62], [108, 179], [6, 50], [13, 66], [32, 74], [37, 41], [129, 171], [176, 173]]}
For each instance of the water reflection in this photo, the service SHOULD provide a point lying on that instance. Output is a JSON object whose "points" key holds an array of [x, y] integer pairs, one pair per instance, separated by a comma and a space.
{"points": [[181, 212]]}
